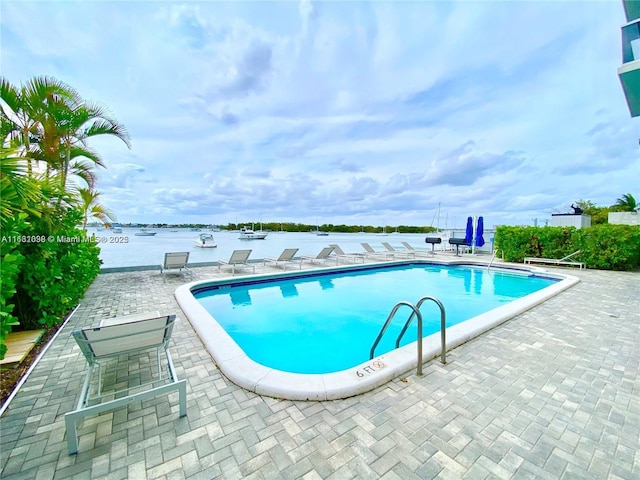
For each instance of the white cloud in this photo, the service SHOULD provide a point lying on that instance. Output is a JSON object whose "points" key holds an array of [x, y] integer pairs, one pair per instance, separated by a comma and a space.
{"points": [[328, 111]]}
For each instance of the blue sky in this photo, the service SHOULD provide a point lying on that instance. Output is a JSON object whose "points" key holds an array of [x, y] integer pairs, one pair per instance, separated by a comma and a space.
{"points": [[343, 112]]}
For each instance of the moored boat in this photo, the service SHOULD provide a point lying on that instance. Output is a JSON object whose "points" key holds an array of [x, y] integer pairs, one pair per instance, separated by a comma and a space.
{"points": [[145, 233], [248, 234], [205, 240]]}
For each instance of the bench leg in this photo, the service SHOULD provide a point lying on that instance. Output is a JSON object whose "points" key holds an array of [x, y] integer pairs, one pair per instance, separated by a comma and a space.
{"points": [[182, 392], [72, 433], [71, 418]]}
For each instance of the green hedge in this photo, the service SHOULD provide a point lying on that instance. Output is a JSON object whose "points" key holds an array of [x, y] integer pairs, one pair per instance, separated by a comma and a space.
{"points": [[44, 275], [11, 261], [606, 246]]}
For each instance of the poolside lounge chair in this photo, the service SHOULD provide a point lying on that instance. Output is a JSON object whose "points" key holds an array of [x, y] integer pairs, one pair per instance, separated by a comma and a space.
{"points": [[124, 344], [238, 259], [349, 256], [175, 263], [405, 254], [557, 262], [370, 252], [285, 258], [323, 257], [417, 252]]}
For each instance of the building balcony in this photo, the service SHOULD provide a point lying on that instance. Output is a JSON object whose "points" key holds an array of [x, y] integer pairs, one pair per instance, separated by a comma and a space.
{"points": [[629, 72], [631, 9]]}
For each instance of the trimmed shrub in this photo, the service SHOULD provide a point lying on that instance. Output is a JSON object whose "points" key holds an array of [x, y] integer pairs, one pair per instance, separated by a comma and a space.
{"points": [[11, 260], [56, 272], [611, 247]]}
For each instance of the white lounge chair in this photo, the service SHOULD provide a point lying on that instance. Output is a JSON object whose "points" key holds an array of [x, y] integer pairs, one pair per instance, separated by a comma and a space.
{"points": [[557, 262], [285, 258], [323, 257], [417, 252], [175, 263], [238, 259], [349, 256], [405, 254], [372, 253], [124, 343]]}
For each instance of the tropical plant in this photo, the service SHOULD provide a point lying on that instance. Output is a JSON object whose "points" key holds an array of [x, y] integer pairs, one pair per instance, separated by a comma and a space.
{"points": [[91, 207], [599, 215], [626, 203], [11, 260], [18, 192], [56, 272], [51, 123], [67, 130], [44, 131], [611, 247], [23, 110]]}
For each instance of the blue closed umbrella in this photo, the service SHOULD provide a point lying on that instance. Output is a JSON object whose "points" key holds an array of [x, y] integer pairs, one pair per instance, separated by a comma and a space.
{"points": [[479, 232], [468, 238]]}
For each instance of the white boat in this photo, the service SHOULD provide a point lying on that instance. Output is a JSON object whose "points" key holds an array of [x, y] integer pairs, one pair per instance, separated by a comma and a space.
{"points": [[205, 240], [145, 233], [321, 234], [248, 234]]}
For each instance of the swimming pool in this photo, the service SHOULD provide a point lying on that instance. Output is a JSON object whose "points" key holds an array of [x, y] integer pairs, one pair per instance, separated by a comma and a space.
{"points": [[326, 321]]}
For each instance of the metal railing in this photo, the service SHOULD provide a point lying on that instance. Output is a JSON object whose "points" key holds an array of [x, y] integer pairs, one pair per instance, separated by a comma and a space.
{"points": [[493, 257], [415, 313]]}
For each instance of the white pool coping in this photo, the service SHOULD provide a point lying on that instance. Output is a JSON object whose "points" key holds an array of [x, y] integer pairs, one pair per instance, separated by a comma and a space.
{"points": [[248, 374]]}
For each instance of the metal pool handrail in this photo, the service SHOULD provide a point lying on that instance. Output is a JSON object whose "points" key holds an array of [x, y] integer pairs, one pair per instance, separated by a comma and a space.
{"points": [[493, 257], [415, 312], [443, 327]]}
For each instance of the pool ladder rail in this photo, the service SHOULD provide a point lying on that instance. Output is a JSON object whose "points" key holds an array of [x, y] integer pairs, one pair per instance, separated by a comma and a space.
{"points": [[415, 313], [493, 257]]}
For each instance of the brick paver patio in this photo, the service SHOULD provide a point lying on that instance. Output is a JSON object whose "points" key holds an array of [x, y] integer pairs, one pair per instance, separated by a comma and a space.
{"points": [[553, 393]]}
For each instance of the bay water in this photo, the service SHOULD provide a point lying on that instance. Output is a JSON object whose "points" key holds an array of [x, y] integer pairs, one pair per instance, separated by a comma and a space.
{"points": [[129, 250]]}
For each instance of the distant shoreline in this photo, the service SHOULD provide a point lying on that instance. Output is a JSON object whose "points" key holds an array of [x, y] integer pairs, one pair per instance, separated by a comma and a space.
{"points": [[279, 227]]}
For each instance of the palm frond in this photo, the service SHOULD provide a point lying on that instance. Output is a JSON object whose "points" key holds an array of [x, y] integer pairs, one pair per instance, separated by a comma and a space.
{"points": [[84, 170], [88, 153], [108, 127], [19, 193]]}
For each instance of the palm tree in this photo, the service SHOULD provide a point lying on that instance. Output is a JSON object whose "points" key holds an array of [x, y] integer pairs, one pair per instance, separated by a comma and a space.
{"points": [[626, 203], [23, 110], [52, 123], [48, 121], [91, 208], [67, 130]]}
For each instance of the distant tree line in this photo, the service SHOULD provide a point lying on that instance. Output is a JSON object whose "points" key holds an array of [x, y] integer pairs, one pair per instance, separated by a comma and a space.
{"points": [[289, 227], [331, 228]]}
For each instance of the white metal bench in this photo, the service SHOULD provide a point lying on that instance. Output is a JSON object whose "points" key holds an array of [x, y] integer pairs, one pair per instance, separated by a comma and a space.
{"points": [[553, 261], [133, 335]]}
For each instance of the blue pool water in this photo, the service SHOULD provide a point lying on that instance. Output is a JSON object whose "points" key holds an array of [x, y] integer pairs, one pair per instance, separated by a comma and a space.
{"points": [[327, 322]]}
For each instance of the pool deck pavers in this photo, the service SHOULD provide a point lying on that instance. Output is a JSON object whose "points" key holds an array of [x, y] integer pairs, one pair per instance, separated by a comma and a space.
{"points": [[553, 393]]}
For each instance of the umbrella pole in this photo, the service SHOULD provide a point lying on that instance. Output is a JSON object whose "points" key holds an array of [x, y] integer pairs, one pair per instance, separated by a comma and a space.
{"points": [[473, 238]]}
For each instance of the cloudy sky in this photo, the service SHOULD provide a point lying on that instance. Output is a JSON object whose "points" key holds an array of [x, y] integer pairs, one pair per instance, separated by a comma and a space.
{"points": [[344, 112]]}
